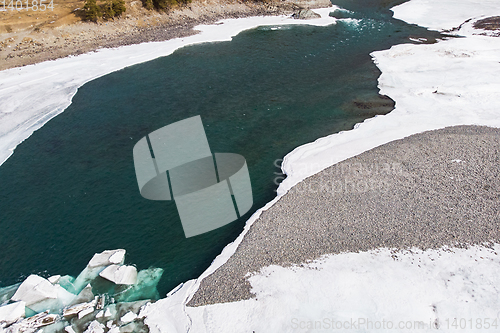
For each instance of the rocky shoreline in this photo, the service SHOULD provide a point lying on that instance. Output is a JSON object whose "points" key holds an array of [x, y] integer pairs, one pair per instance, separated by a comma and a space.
{"points": [[429, 190], [30, 47]]}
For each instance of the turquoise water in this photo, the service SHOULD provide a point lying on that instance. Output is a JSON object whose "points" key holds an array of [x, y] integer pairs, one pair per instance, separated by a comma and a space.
{"points": [[69, 191]]}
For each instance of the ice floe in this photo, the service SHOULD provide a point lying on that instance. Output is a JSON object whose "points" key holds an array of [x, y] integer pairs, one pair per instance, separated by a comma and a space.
{"points": [[120, 274], [128, 317], [48, 305], [96, 265], [11, 313], [39, 294]]}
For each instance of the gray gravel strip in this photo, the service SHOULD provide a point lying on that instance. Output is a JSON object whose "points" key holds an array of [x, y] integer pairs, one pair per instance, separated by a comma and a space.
{"points": [[428, 190]]}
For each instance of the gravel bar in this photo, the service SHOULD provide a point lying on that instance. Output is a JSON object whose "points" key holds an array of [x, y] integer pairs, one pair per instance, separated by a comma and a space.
{"points": [[429, 190]]}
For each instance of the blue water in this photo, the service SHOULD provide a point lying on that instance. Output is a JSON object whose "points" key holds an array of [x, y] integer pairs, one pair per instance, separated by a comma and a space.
{"points": [[69, 191]]}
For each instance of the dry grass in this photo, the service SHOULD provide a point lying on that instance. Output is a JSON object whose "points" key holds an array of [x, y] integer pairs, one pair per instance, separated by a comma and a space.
{"points": [[22, 20]]}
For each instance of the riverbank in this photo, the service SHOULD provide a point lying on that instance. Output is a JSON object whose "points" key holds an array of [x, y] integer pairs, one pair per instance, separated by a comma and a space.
{"points": [[405, 233], [69, 37], [426, 99], [410, 75], [433, 89], [426, 191], [24, 90]]}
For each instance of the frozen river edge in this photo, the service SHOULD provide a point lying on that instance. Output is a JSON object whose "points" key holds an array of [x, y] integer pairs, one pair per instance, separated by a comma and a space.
{"points": [[433, 89], [416, 101]]}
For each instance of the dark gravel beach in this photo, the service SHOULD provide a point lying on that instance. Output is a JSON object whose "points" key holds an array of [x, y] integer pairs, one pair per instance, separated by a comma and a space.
{"points": [[426, 191]]}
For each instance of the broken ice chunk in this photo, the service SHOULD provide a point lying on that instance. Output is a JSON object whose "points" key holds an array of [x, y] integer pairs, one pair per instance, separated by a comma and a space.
{"points": [[54, 279], [123, 308], [39, 294], [77, 309], [32, 323], [128, 317], [85, 312], [145, 288], [7, 292], [69, 329], [35, 289], [134, 327], [95, 327], [98, 263], [107, 258], [56, 327], [66, 282], [120, 274], [11, 313]]}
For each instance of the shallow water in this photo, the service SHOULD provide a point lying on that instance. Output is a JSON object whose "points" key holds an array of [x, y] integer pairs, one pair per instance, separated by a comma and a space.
{"points": [[70, 190]]}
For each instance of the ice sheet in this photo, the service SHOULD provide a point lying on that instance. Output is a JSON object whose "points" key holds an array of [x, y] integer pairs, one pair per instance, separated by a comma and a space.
{"points": [[429, 13], [34, 94]]}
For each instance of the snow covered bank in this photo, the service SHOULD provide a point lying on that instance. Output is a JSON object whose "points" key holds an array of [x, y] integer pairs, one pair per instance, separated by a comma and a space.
{"points": [[444, 14], [364, 292], [452, 82], [449, 83], [32, 95]]}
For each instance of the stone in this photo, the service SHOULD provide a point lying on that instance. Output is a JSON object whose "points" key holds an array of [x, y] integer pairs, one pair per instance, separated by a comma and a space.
{"points": [[305, 14], [311, 4]]}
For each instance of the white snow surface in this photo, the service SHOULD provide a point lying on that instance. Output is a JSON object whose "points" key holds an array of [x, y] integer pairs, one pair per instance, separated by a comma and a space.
{"points": [[32, 95], [453, 82], [412, 290], [429, 13]]}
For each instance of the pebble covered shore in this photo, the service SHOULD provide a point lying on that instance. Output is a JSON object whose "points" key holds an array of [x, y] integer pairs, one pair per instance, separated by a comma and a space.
{"points": [[429, 190], [23, 48]]}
